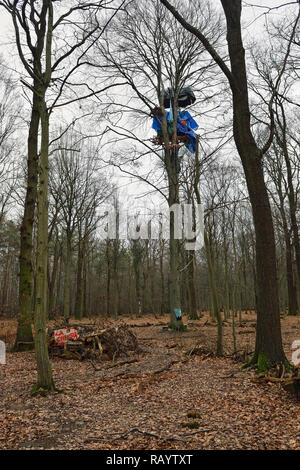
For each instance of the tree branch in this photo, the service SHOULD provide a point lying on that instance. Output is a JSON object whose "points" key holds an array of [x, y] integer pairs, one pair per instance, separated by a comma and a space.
{"points": [[210, 49]]}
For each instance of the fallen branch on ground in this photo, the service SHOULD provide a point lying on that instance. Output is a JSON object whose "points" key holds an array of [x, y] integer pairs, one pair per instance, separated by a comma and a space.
{"points": [[196, 432], [117, 364], [167, 367], [145, 433]]}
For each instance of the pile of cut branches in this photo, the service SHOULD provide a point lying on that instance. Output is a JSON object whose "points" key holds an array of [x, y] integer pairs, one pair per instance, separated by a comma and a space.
{"points": [[84, 342]]}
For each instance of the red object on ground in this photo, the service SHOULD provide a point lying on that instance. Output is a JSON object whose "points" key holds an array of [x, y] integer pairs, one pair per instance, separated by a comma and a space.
{"points": [[64, 335]]}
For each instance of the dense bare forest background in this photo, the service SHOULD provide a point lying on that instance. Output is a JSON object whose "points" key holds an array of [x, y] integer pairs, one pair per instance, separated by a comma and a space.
{"points": [[108, 278], [80, 89]]}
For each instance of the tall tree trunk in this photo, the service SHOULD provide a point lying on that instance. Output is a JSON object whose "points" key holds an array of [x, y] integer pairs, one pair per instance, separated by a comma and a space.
{"points": [[24, 338], [52, 280], [291, 192], [291, 287], [6, 282], [45, 380], [174, 274], [84, 282], [210, 262], [79, 282], [44, 370], [171, 163], [292, 291], [108, 278], [67, 280], [138, 297], [173, 200], [268, 348], [116, 247], [162, 278], [226, 269], [193, 315]]}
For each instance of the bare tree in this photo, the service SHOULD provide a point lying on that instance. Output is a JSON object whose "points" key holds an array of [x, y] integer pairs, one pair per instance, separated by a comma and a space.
{"points": [[37, 32], [268, 350], [151, 52]]}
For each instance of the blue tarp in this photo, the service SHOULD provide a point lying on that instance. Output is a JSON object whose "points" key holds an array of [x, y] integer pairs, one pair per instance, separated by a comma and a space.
{"points": [[186, 128]]}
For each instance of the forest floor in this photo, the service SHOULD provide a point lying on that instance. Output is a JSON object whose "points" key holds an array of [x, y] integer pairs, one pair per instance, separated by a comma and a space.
{"points": [[177, 395]]}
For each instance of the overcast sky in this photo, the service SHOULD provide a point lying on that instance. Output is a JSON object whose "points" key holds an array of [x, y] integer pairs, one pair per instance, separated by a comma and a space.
{"points": [[252, 16]]}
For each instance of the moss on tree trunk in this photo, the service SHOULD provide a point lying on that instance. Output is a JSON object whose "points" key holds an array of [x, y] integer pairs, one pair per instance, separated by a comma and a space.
{"points": [[24, 339]]}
